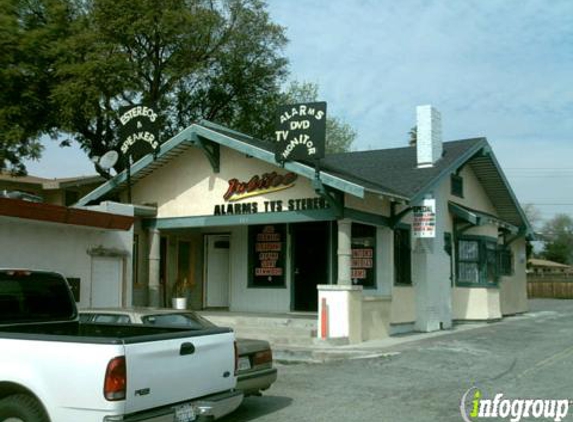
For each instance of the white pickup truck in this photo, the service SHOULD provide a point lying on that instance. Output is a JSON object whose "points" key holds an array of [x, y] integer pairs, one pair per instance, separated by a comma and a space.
{"points": [[55, 369]]}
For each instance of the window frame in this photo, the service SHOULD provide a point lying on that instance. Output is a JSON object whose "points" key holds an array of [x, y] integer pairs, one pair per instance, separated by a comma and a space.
{"points": [[457, 185], [487, 261], [403, 267]]}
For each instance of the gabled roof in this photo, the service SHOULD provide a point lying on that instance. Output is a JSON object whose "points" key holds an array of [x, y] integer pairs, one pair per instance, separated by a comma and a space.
{"points": [[534, 262], [389, 172]]}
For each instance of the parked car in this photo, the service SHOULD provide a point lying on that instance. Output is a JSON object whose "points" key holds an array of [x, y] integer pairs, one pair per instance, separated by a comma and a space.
{"points": [[255, 365], [55, 368]]}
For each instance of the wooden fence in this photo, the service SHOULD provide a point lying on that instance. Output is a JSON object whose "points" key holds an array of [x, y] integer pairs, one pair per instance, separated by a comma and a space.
{"points": [[554, 286]]}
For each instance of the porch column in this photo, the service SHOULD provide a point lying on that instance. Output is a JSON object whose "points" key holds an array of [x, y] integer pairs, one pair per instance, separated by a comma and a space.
{"points": [[340, 305], [344, 252], [154, 257]]}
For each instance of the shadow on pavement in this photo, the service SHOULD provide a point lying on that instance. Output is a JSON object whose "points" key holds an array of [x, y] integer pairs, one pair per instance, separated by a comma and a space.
{"points": [[255, 407]]}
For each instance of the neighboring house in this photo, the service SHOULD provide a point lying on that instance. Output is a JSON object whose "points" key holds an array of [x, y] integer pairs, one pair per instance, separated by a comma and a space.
{"points": [[63, 191], [215, 212], [542, 267], [91, 248]]}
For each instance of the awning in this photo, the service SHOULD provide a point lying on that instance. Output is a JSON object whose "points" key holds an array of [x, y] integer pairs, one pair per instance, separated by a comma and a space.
{"points": [[480, 218], [64, 215]]}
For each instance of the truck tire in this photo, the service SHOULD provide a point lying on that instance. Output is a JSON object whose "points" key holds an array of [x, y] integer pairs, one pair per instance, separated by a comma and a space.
{"points": [[21, 408]]}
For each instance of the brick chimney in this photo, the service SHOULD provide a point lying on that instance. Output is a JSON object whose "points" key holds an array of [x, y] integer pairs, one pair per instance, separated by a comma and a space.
{"points": [[429, 135]]}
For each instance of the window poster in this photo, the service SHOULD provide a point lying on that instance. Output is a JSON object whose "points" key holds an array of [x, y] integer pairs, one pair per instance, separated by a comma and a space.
{"points": [[363, 255], [267, 251]]}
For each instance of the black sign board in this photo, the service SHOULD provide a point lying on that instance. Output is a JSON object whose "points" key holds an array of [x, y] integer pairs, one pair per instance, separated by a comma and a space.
{"points": [[301, 132], [138, 131], [267, 244]]}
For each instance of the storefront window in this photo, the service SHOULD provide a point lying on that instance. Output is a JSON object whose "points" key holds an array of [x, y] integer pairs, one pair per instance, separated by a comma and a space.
{"points": [[363, 255], [267, 255]]}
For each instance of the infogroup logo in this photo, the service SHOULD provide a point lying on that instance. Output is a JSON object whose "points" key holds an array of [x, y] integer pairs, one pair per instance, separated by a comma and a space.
{"points": [[475, 407]]}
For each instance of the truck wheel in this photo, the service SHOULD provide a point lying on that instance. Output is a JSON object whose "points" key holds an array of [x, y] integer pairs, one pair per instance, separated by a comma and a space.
{"points": [[21, 408]]}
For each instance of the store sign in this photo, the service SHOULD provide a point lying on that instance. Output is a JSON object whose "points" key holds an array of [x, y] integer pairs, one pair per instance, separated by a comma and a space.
{"points": [[301, 132], [138, 131], [259, 185], [268, 251], [424, 219], [299, 204]]}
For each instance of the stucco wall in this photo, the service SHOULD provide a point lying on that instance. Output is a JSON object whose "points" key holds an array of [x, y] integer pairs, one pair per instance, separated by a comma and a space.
{"points": [[475, 196], [403, 308], [476, 303], [62, 248], [187, 186], [513, 289], [372, 203], [375, 317]]}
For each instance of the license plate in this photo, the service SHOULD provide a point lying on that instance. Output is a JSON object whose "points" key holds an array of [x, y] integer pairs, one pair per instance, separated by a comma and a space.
{"points": [[185, 413], [244, 363]]}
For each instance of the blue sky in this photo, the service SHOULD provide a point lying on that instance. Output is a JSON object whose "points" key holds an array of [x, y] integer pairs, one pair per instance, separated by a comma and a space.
{"points": [[502, 69]]}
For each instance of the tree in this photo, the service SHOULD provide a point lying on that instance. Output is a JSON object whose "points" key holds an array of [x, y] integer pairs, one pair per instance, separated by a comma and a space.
{"points": [[413, 134], [339, 135], [558, 235], [26, 77], [533, 215], [189, 59]]}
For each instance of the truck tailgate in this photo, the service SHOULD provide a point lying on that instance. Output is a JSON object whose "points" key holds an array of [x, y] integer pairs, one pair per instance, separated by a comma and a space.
{"points": [[174, 370]]}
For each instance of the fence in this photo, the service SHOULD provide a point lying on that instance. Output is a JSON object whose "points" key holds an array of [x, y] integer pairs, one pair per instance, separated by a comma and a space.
{"points": [[550, 286]]}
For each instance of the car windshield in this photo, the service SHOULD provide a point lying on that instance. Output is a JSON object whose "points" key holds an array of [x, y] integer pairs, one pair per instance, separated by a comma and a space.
{"points": [[187, 320]]}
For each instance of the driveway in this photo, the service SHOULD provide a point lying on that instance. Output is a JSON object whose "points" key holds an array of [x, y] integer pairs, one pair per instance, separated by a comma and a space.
{"points": [[522, 357]]}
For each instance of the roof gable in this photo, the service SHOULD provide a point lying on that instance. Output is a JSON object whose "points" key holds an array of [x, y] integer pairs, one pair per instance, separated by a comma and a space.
{"points": [[389, 172]]}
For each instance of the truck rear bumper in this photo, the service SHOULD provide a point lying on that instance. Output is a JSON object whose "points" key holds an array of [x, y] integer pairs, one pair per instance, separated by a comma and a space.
{"points": [[257, 381], [216, 406]]}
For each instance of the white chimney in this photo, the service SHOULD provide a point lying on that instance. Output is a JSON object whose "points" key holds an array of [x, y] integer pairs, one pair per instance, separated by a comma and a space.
{"points": [[429, 135]]}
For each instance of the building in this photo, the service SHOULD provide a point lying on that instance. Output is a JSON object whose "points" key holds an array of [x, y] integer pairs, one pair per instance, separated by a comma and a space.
{"points": [[376, 242], [60, 191], [543, 267], [92, 248]]}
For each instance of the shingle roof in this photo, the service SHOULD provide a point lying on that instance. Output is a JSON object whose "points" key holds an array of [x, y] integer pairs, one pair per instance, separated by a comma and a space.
{"points": [[395, 170]]}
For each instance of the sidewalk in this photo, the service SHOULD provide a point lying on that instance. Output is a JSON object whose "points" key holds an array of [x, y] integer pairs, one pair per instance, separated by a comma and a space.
{"points": [[321, 351]]}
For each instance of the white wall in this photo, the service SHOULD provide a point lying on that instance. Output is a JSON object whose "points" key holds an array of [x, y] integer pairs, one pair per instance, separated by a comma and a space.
{"points": [[513, 289], [187, 186], [60, 247]]}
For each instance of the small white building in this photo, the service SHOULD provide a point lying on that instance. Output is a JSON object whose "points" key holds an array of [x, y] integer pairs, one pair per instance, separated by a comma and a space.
{"points": [[376, 242], [91, 248]]}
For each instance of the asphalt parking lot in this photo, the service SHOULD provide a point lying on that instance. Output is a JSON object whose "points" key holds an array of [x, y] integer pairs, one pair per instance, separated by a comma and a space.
{"points": [[523, 357]]}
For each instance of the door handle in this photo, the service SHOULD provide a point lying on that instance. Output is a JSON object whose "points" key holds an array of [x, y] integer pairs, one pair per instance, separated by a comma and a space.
{"points": [[187, 349]]}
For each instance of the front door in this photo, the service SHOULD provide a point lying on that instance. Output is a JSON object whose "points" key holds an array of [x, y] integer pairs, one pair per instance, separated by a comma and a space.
{"points": [[310, 242], [106, 287], [217, 267]]}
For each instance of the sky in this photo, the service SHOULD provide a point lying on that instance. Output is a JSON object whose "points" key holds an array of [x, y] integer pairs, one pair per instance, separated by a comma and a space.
{"points": [[502, 69]]}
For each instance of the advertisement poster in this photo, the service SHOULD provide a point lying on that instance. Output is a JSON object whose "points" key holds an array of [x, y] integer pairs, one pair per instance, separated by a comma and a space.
{"points": [[267, 244], [424, 223]]}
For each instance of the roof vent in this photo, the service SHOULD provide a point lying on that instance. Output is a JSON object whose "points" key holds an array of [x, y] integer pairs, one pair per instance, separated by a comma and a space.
{"points": [[429, 136]]}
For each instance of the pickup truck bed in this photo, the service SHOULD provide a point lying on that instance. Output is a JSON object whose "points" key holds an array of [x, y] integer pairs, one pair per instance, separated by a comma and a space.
{"points": [[105, 372]]}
